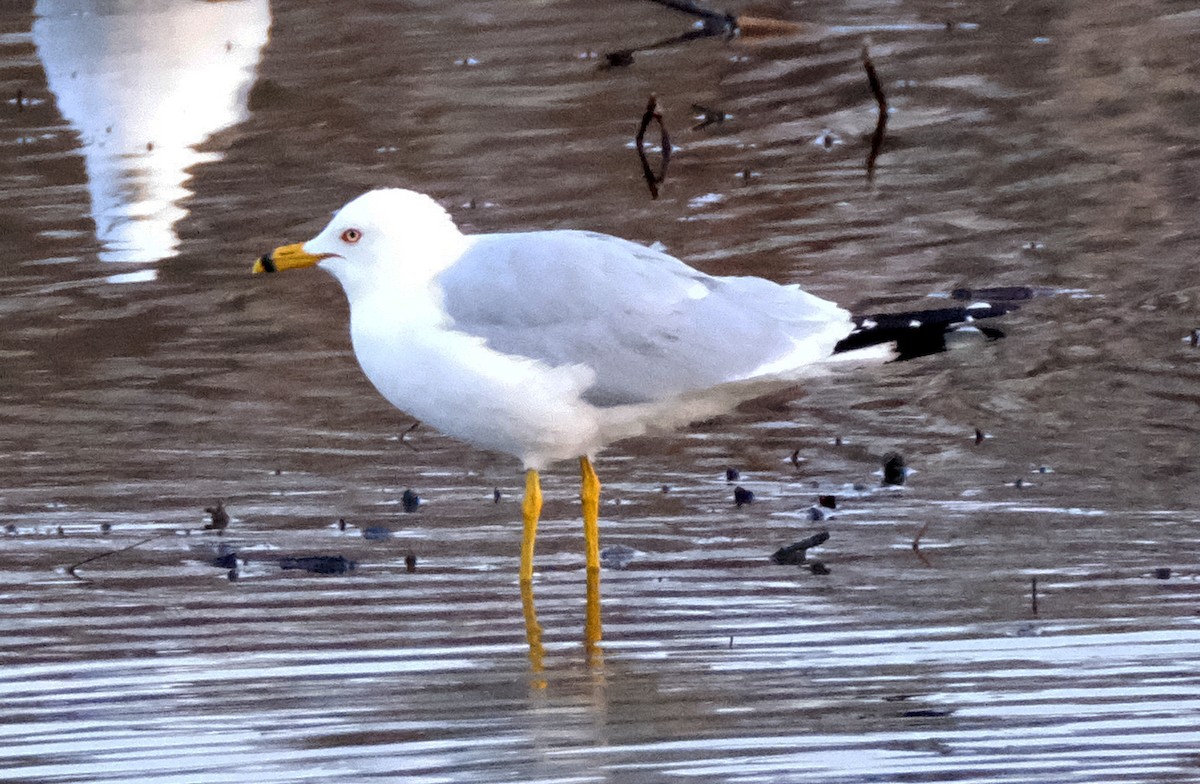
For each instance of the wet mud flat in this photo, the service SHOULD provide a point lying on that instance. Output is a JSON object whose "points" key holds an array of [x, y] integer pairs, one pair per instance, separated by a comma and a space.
{"points": [[1022, 608]]}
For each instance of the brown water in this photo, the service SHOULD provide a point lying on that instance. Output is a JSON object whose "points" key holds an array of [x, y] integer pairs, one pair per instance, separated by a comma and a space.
{"points": [[146, 375]]}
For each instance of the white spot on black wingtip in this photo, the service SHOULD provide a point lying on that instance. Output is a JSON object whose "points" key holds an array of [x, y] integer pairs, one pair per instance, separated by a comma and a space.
{"points": [[869, 324], [915, 323]]}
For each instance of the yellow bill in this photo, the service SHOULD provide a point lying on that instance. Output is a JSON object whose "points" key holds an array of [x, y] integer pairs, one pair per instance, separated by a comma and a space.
{"points": [[286, 257]]}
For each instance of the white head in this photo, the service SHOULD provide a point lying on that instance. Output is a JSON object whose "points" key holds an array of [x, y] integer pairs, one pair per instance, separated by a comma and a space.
{"points": [[382, 236]]}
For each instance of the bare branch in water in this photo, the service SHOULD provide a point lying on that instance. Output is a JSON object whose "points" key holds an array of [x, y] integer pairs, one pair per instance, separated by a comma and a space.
{"points": [[71, 569], [881, 100], [653, 180]]}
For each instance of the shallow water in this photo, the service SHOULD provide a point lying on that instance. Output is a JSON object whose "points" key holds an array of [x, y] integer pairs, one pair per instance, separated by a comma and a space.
{"points": [[1051, 145]]}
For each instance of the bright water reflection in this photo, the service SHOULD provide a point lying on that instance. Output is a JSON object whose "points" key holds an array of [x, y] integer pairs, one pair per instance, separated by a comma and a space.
{"points": [[145, 83]]}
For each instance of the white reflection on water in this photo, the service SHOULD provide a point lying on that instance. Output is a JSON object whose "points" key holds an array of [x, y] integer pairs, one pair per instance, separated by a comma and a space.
{"points": [[144, 82]]}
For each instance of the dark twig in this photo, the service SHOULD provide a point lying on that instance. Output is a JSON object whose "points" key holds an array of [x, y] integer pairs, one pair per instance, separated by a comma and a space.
{"points": [[708, 116], [71, 569], [916, 542], [653, 180], [724, 22], [404, 436], [881, 100], [1033, 591]]}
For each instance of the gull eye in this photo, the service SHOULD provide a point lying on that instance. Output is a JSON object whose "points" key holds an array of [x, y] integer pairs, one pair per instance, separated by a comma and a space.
{"points": [[351, 236]]}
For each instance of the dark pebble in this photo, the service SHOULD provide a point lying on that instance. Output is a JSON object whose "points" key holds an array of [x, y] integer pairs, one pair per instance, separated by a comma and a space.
{"points": [[105, 528], [341, 524], [818, 567], [732, 475], [410, 562], [225, 560], [496, 496], [619, 59], [410, 501], [894, 472], [742, 496], [376, 533], [10, 528], [827, 501], [979, 436], [1162, 573], [320, 564], [617, 556]]}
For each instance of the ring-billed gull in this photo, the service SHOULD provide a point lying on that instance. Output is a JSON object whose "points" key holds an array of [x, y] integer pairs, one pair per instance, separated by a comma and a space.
{"points": [[549, 345]]}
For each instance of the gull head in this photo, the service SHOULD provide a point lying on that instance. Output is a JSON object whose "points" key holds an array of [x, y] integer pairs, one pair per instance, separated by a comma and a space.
{"points": [[383, 235]]}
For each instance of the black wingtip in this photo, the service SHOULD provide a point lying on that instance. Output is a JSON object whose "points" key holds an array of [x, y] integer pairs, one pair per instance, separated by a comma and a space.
{"points": [[268, 265]]}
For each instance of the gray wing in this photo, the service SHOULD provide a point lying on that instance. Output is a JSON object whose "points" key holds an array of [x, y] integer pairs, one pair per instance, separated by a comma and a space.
{"points": [[649, 325]]}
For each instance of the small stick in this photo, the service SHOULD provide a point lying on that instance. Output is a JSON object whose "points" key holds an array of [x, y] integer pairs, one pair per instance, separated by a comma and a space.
{"points": [[652, 113], [1033, 590], [404, 436], [881, 100], [71, 569], [727, 21], [916, 543]]}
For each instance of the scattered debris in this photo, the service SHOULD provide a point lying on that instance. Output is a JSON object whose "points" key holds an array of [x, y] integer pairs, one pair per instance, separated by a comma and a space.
{"points": [[1033, 595], [1162, 573], [794, 554], [377, 533], [617, 556], [818, 567], [979, 436], [20, 100], [742, 496], [341, 524], [410, 562], [652, 113], [318, 564], [219, 517], [225, 558], [707, 116], [496, 496], [410, 501], [894, 470]]}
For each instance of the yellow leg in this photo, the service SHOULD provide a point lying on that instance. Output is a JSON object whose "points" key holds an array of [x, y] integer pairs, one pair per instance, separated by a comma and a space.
{"points": [[533, 635], [592, 630], [531, 510], [590, 496]]}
